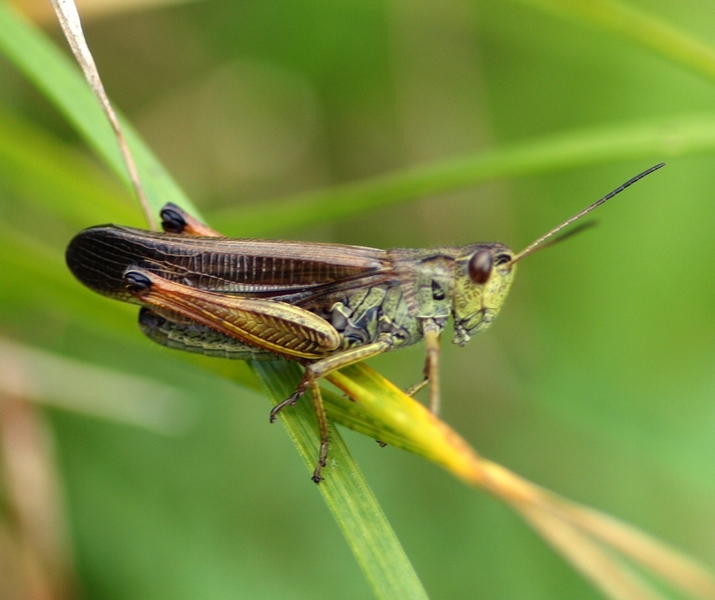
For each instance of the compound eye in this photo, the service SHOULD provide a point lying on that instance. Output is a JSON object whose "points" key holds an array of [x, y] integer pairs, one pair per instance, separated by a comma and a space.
{"points": [[480, 267]]}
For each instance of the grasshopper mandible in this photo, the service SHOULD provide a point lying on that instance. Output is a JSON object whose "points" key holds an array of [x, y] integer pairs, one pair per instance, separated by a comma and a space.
{"points": [[325, 306]]}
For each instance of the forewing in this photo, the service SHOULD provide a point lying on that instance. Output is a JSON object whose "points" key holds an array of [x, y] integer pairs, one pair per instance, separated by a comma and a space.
{"points": [[100, 256]]}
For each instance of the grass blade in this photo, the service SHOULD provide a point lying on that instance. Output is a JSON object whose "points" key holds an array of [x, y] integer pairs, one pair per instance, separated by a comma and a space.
{"points": [[649, 32], [60, 81], [593, 543], [346, 492], [656, 139], [68, 17], [352, 503]]}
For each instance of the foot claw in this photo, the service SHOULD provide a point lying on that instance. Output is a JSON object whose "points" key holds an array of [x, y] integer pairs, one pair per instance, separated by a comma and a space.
{"points": [[290, 401]]}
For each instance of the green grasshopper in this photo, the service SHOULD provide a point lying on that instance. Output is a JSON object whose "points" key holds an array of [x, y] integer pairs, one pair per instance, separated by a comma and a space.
{"points": [[324, 306]]}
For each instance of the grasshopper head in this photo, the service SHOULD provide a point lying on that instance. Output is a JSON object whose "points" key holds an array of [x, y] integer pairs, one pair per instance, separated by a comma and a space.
{"points": [[483, 275]]}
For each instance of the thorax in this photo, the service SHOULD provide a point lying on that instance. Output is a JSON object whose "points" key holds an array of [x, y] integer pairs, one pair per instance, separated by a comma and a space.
{"points": [[421, 289]]}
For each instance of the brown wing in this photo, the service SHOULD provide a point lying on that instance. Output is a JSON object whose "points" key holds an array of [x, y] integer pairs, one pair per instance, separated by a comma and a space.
{"points": [[100, 256]]}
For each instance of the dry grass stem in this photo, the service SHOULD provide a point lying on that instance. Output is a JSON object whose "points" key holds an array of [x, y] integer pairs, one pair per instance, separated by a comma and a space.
{"points": [[72, 28]]}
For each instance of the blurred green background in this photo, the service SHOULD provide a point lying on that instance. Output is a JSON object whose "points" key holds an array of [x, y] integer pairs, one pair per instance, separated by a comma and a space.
{"points": [[597, 380]]}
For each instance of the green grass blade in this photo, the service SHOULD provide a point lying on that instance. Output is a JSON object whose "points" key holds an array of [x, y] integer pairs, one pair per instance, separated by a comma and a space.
{"points": [[58, 180], [656, 139], [350, 499], [352, 503], [571, 529], [649, 32], [60, 80]]}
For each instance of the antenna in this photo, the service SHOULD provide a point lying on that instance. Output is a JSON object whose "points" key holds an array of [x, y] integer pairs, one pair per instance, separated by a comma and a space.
{"points": [[537, 245]]}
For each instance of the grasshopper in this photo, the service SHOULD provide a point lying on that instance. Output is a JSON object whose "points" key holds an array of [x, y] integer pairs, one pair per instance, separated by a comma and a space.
{"points": [[325, 306]]}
